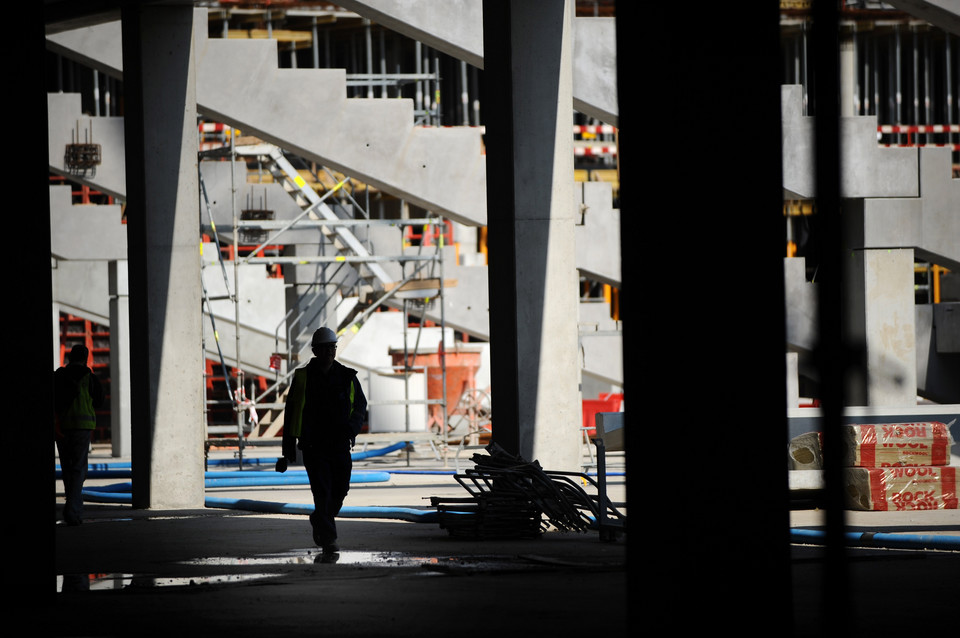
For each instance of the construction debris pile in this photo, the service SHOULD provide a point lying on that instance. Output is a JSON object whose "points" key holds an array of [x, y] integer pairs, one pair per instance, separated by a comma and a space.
{"points": [[889, 466], [514, 498]]}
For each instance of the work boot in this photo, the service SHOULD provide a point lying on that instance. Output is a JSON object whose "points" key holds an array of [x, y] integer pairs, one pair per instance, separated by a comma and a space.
{"points": [[328, 545]]}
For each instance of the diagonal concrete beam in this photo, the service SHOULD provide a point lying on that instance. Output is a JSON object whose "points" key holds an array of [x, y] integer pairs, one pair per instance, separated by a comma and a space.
{"points": [[455, 27], [239, 83], [941, 13]]}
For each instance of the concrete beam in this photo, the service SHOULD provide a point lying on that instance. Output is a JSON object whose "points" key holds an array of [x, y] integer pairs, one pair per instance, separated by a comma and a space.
{"points": [[941, 13], [373, 140], [456, 28], [867, 169], [940, 201]]}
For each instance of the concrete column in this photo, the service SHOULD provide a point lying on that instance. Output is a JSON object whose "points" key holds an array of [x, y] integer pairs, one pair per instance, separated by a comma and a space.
{"points": [[119, 359], [883, 319], [533, 323], [166, 384]]}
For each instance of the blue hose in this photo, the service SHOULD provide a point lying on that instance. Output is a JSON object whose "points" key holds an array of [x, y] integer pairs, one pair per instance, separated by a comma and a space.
{"points": [[397, 513], [253, 479], [882, 540], [122, 493], [122, 469]]}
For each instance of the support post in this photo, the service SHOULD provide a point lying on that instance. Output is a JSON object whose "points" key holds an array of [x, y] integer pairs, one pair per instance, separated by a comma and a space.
{"points": [[533, 326], [119, 359], [164, 266]]}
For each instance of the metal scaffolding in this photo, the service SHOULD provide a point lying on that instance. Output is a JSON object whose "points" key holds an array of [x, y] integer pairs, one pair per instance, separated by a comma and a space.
{"points": [[421, 281]]}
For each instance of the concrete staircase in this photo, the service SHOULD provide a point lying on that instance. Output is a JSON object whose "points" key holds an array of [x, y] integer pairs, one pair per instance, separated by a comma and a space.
{"points": [[238, 83], [893, 198]]}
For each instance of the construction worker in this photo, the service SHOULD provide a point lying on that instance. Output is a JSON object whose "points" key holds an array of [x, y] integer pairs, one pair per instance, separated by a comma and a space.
{"points": [[77, 395], [324, 411]]}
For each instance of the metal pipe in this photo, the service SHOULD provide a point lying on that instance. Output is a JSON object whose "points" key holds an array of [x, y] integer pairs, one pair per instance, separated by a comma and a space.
{"points": [[927, 102], [368, 41], [314, 45], [443, 338], [915, 59], [464, 95], [948, 67], [898, 79], [383, 64], [418, 99], [236, 301]]}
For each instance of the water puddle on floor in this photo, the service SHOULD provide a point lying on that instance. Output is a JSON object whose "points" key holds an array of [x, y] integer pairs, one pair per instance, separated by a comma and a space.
{"points": [[303, 557], [105, 582], [431, 565]]}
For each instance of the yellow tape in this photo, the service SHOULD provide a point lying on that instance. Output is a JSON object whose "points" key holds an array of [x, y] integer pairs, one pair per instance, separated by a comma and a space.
{"points": [[341, 258], [299, 181]]}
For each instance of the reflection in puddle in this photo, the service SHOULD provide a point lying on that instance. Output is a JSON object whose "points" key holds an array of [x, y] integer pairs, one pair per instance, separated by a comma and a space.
{"points": [[102, 582], [431, 564], [303, 557]]}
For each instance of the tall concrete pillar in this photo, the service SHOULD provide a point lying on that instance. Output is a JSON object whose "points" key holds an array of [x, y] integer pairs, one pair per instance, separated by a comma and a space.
{"points": [[119, 359], [535, 371], [163, 252], [883, 320]]}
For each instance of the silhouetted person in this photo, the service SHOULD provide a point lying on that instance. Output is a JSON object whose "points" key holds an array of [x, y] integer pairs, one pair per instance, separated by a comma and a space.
{"points": [[324, 411], [77, 396]]}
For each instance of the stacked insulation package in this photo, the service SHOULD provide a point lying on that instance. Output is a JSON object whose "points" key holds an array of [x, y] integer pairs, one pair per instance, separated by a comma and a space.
{"points": [[890, 466]]}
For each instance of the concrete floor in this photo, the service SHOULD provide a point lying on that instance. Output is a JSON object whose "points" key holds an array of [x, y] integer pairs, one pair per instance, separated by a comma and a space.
{"points": [[238, 572]]}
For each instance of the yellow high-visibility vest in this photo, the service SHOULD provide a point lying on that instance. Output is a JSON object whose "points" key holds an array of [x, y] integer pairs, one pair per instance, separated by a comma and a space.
{"points": [[80, 415], [297, 397]]}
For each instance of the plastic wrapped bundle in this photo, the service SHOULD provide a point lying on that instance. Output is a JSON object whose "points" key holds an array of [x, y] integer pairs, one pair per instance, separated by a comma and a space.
{"points": [[901, 488], [896, 445]]}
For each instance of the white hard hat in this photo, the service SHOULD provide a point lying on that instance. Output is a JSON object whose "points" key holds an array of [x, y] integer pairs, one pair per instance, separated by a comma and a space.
{"points": [[323, 336]]}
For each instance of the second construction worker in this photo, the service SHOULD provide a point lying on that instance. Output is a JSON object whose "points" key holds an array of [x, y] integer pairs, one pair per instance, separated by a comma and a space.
{"points": [[324, 411]]}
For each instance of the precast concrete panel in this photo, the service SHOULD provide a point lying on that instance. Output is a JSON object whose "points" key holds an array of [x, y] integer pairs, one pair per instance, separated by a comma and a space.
{"points": [[373, 140], [67, 125], [801, 302], [883, 315], [867, 169], [940, 195], [85, 232], [239, 83], [883, 223], [597, 233], [595, 68]]}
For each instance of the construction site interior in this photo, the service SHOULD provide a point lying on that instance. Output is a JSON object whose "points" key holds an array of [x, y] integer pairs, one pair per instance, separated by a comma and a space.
{"points": [[289, 244]]}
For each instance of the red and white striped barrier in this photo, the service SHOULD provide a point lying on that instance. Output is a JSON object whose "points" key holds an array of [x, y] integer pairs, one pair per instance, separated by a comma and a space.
{"points": [[919, 128], [602, 129], [594, 151]]}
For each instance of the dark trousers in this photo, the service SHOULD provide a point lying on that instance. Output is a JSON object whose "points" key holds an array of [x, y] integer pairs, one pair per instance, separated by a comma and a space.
{"points": [[329, 475], [73, 449]]}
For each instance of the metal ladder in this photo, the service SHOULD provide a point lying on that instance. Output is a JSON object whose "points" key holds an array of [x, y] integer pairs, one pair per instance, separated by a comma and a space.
{"points": [[350, 250]]}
